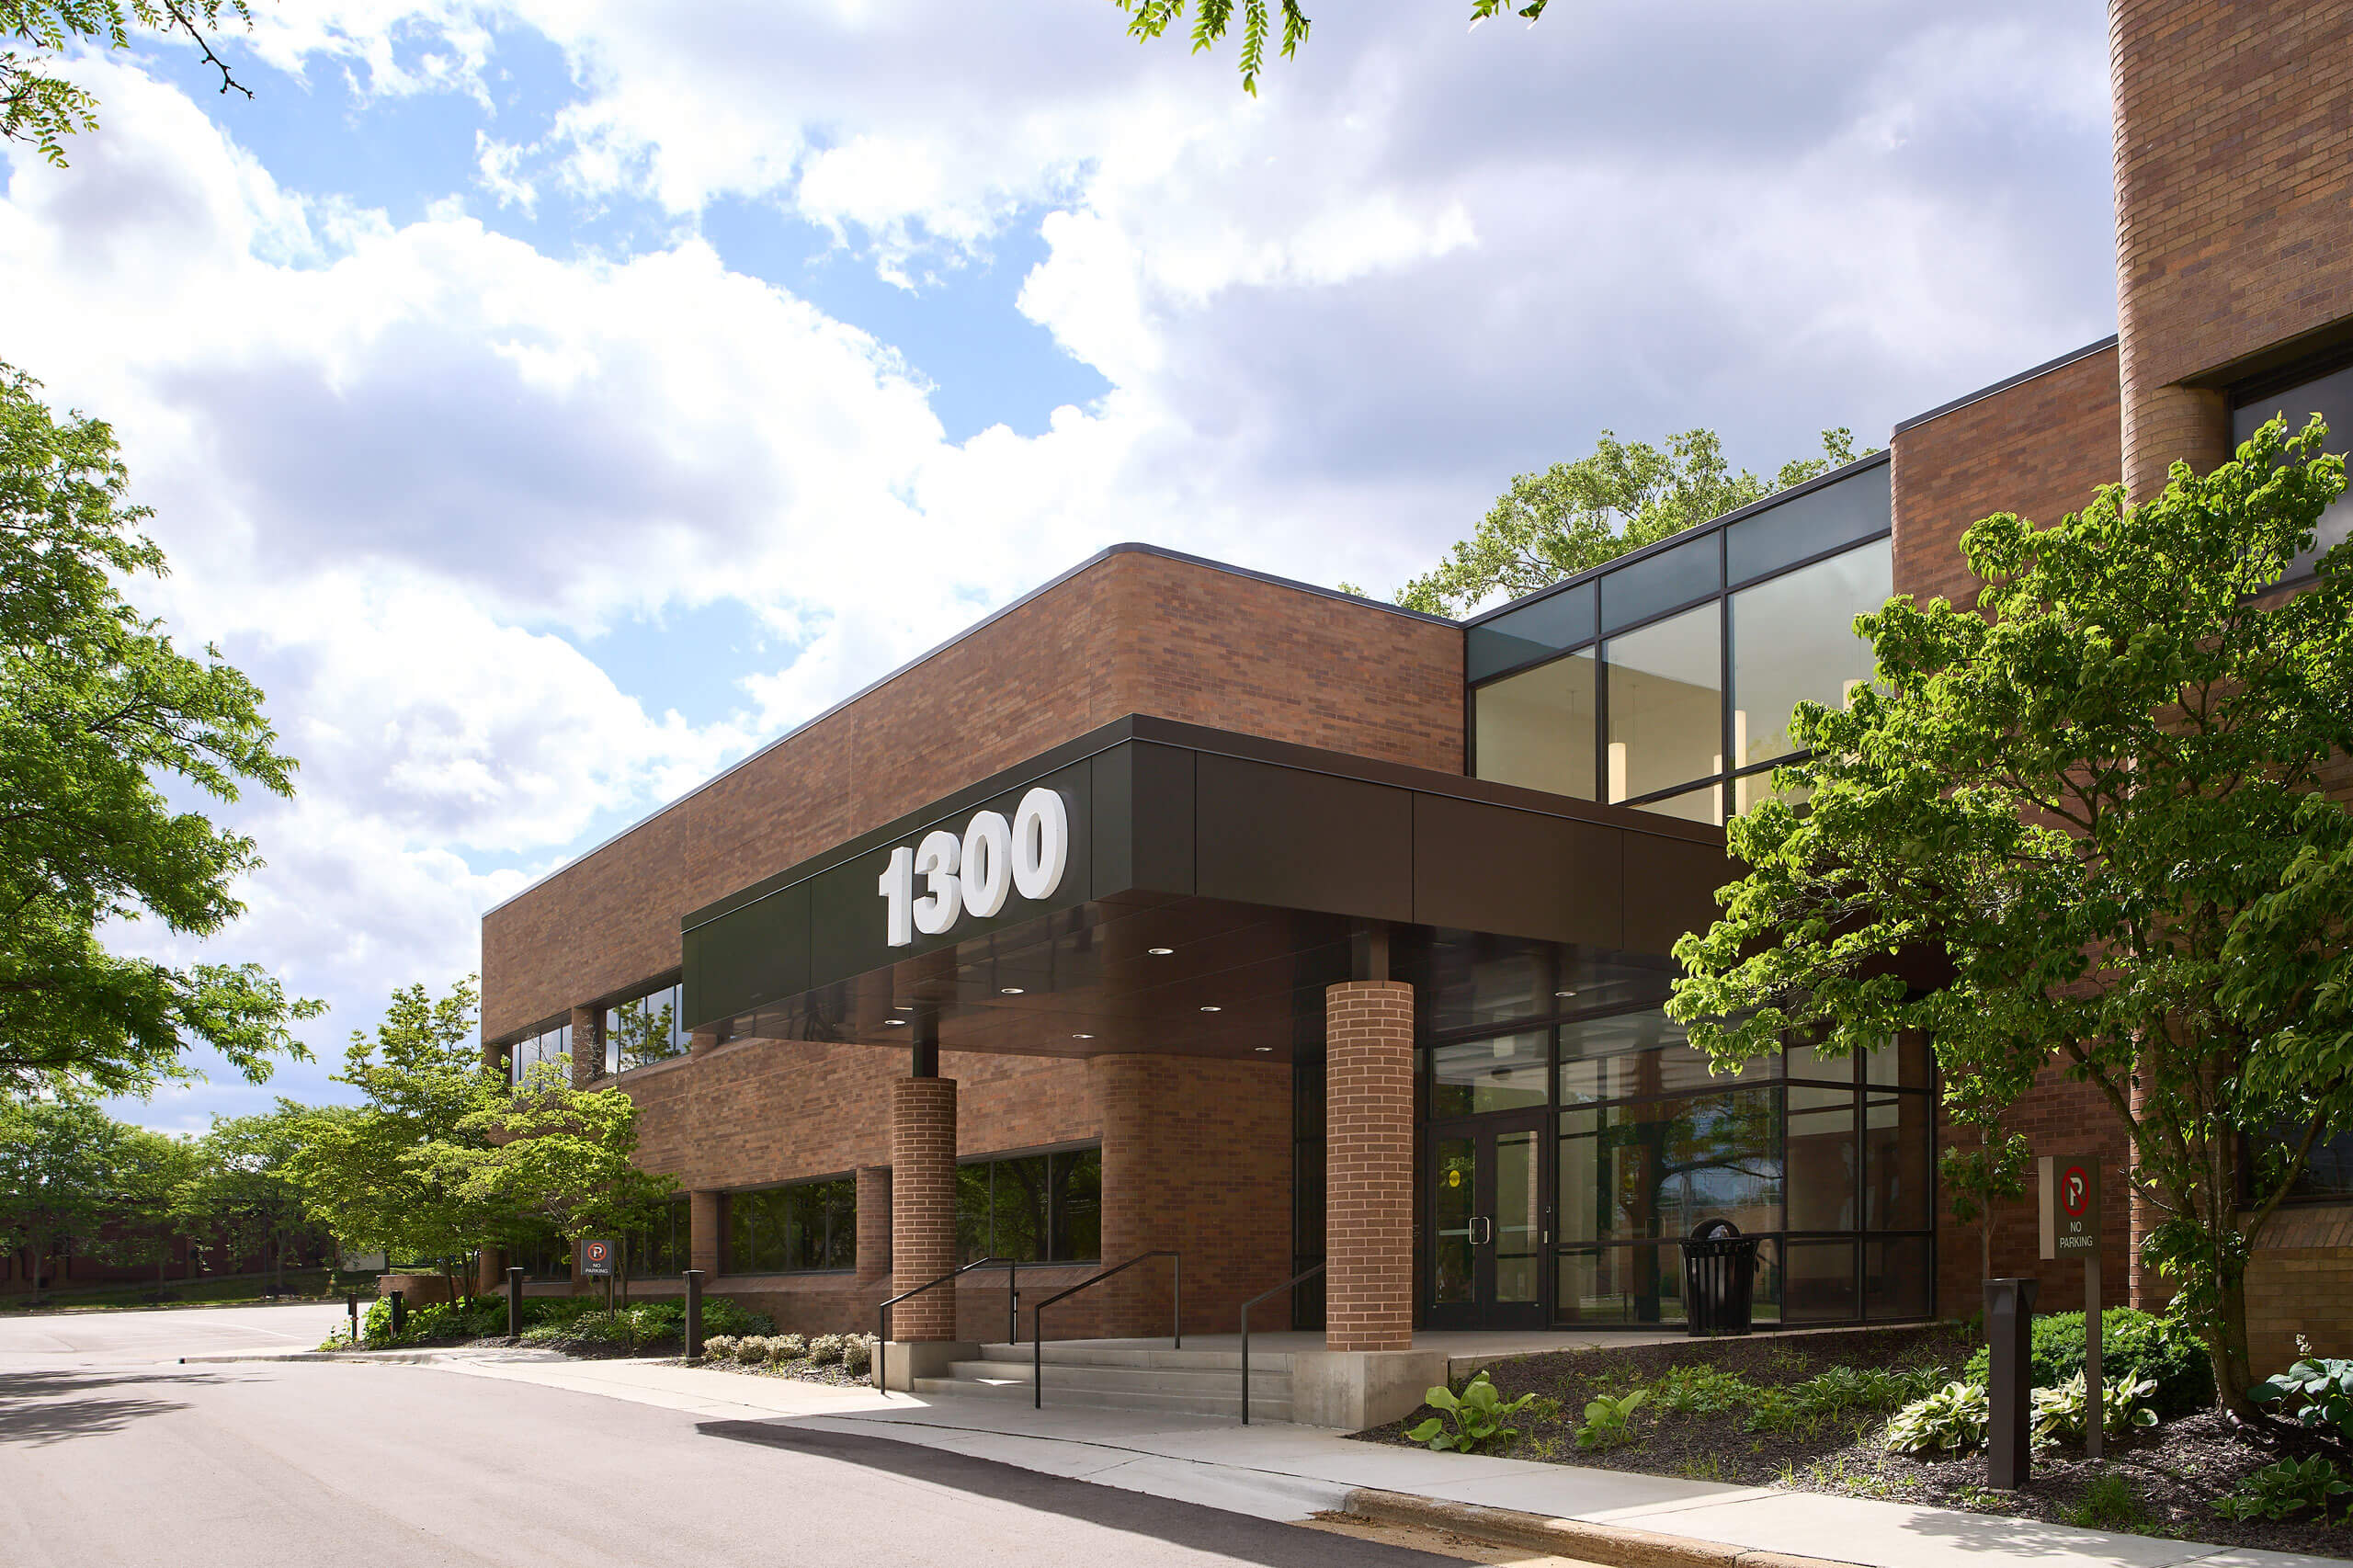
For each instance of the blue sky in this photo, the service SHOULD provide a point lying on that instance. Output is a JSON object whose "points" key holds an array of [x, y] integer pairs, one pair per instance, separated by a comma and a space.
{"points": [[549, 403]]}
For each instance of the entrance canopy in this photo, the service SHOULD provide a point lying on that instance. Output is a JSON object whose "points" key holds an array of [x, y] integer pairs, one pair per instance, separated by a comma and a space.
{"points": [[1211, 886]]}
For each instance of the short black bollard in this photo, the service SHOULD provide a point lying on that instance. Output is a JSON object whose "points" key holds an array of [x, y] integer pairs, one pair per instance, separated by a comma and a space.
{"points": [[513, 1304], [694, 1314], [400, 1315], [2009, 1383], [351, 1303]]}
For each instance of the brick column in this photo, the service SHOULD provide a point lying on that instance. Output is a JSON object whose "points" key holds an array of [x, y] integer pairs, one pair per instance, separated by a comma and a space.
{"points": [[702, 1042], [702, 1233], [874, 1223], [1368, 1156], [2161, 424], [923, 1205], [587, 1050]]}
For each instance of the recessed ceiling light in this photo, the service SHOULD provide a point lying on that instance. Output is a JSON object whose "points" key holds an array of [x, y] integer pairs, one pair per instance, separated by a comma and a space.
{"points": [[1265, 1048], [1160, 952], [895, 1023], [1082, 1036], [1563, 992], [1008, 991], [1213, 1009], [902, 1007]]}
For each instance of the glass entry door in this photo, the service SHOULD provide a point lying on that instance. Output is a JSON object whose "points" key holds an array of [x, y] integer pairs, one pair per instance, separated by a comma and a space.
{"points": [[1486, 1215]]}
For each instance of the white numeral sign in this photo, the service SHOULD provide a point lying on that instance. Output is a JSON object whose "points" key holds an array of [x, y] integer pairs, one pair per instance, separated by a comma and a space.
{"points": [[974, 872]]}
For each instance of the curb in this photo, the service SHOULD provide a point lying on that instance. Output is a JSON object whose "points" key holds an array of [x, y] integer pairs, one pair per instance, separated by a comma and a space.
{"points": [[393, 1358], [1612, 1546]]}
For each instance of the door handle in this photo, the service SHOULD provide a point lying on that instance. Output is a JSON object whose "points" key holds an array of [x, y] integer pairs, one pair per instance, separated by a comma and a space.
{"points": [[1483, 1231]]}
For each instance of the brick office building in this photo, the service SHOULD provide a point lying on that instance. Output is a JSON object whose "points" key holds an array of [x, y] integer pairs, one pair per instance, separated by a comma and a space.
{"points": [[1289, 928]]}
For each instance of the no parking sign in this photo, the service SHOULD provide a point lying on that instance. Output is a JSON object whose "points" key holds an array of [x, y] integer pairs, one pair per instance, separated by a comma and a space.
{"points": [[596, 1258]]}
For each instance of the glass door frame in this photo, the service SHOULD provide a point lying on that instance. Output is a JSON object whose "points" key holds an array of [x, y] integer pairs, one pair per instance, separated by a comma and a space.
{"points": [[1483, 1311]]}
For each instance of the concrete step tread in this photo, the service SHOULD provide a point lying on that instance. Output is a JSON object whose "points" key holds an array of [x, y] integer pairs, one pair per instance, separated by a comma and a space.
{"points": [[1261, 1407], [1167, 1380], [1085, 1355]]}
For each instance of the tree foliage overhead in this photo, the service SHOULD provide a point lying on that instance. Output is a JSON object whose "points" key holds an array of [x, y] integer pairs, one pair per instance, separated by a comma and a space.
{"points": [[41, 108], [97, 709], [2101, 797], [1575, 516], [1213, 18]]}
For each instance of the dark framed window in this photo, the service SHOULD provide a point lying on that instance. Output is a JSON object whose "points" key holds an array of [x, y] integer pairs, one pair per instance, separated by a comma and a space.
{"points": [[802, 1227], [644, 1029], [2328, 1175], [2325, 389], [551, 1047], [662, 1247], [1039, 1207]]}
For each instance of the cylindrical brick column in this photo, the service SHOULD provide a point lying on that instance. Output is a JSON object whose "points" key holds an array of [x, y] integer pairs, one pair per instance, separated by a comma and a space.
{"points": [[702, 1233], [874, 1223], [1368, 1160], [923, 1205], [490, 1271], [2165, 423]]}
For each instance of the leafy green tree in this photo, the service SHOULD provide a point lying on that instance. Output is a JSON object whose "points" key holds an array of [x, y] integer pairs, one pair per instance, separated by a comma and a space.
{"points": [[139, 1218], [2101, 798], [98, 712], [565, 1157], [238, 1199], [396, 1173], [1621, 496], [58, 1161], [43, 109]]}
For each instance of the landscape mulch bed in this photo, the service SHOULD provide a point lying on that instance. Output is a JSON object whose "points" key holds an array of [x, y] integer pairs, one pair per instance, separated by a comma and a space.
{"points": [[2177, 1470]]}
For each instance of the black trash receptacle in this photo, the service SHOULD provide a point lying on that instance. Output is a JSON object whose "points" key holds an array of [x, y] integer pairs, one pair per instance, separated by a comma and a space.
{"points": [[1719, 1278]]}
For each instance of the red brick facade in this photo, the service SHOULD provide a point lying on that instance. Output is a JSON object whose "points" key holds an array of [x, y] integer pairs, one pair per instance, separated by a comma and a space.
{"points": [[923, 1204], [1368, 1158]]}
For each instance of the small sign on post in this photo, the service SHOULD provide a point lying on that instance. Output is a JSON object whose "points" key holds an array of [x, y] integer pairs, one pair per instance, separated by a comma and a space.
{"points": [[597, 1259], [2070, 1194]]}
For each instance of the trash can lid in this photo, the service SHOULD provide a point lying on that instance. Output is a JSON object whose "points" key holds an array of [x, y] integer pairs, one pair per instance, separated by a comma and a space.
{"points": [[1714, 1230]]}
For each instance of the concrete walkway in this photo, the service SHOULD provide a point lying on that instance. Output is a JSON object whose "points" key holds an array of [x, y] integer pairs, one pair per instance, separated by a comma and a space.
{"points": [[1282, 1471]]}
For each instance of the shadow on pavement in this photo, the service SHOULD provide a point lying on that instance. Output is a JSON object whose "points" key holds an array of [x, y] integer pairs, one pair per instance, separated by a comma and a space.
{"points": [[1236, 1536], [39, 1408]]}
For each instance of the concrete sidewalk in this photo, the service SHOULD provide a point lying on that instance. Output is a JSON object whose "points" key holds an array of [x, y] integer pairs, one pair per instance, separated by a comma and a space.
{"points": [[1282, 1471]]}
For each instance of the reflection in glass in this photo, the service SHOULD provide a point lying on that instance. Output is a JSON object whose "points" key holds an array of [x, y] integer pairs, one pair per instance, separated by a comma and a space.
{"points": [[1536, 728], [1454, 1182], [1898, 1280], [1644, 1283], [1480, 1075], [1704, 804], [1793, 641], [808, 1225], [1638, 1053], [551, 1052], [1488, 980], [1656, 1169], [1031, 1208], [1821, 1159], [1897, 1133], [1517, 1215], [644, 1031], [1904, 1065], [1665, 704], [1818, 1281], [2331, 397]]}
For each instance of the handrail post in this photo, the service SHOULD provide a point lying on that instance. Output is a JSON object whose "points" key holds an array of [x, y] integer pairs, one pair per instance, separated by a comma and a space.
{"points": [[1176, 1265], [1245, 1363], [1038, 1356], [1012, 1302]]}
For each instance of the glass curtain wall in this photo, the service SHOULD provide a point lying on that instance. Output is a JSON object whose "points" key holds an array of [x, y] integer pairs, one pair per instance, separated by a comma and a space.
{"points": [[645, 1029], [1044, 1208], [1830, 1164], [802, 1227], [1694, 653], [550, 1047]]}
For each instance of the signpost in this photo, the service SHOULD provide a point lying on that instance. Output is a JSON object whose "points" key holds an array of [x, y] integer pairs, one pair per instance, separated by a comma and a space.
{"points": [[597, 1263], [2070, 1194]]}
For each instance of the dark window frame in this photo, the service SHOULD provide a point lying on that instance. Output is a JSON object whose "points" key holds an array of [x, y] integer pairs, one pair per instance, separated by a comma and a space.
{"points": [[733, 1265], [1043, 1151]]}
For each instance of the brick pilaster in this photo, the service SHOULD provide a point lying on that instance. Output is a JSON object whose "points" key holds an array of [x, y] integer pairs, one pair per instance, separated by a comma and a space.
{"points": [[700, 1042], [923, 1205], [703, 1211], [1368, 1143], [873, 1224]]}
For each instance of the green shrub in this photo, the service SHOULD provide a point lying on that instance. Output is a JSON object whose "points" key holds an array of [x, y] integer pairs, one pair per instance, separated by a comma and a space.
{"points": [[2317, 1393], [1952, 1420], [788, 1348], [719, 1347], [857, 1355], [2277, 1491], [1473, 1420], [751, 1349], [1834, 1392], [2060, 1418], [2133, 1344], [1701, 1390], [825, 1350]]}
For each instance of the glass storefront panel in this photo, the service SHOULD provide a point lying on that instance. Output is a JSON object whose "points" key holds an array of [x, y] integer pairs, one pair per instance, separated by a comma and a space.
{"points": [[646, 1030], [1898, 1136], [1507, 1073], [1629, 1054], [1665, 704], [1899, 1278], [1484, 979], [1603, 1286], [1818, 1281], [1704, 804], [1032, 1207], [1453, 1207], [1536, 728], [1821, 1159], [1658, 1168], [1905, 1065], [1793, 641], [1518, 1216], [2331, 397]]}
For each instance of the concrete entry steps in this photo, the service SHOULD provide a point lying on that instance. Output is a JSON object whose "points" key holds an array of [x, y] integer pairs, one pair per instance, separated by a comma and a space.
{"points": [[1115, 1376]]}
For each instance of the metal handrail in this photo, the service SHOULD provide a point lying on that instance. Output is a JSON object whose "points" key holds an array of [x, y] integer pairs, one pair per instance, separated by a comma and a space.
{"points": [[1012, 1307], [1296, 1278], [1038, 1317]]}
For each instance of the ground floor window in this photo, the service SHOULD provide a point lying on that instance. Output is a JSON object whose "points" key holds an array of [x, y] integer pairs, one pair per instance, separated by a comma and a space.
{"points": [[661, 1247], [800, 1227], [1039, 1207]]}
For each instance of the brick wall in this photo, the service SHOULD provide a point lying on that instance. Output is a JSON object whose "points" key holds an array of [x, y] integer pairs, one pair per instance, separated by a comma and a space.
{"points": [[923, 1203], [2039, 449], [2300, 1282], [1368, 1165], [1136, 632], [2234, 170]]}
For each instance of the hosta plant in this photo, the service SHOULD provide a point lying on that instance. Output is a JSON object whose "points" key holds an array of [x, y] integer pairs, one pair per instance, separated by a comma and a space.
{"points": [[1471, 1421], [1952, 1420], [2279, 1491], [2059, 1414], [1609, 1422], [2316, 1393]]}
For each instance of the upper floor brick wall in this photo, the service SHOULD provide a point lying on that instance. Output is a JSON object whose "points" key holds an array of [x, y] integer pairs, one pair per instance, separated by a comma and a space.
{"points": [[1134, 633], [2038, 449]]}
